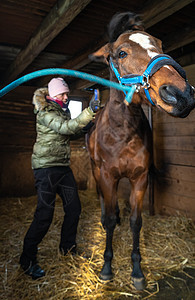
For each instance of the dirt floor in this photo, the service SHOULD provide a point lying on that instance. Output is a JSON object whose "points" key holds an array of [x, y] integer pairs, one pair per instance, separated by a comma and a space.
{"points": [[167, 248]]}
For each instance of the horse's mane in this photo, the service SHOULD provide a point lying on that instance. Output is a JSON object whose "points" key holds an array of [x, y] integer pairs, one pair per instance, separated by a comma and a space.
{"points": [[122, 22]]}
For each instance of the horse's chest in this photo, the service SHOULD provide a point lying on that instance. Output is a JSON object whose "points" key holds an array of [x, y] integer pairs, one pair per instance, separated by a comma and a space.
{"points": [[124, 158], [134, 153]]}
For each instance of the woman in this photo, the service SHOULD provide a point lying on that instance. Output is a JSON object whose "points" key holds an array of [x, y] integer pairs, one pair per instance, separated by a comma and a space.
{"points": [[50, 163]]}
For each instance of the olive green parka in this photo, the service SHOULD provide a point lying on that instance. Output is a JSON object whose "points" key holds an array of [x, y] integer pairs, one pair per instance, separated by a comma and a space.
{"points": [[54, 128]]}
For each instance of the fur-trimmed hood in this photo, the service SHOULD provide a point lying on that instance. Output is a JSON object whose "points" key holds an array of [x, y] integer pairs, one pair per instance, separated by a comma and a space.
{"points": [[39, 99]]}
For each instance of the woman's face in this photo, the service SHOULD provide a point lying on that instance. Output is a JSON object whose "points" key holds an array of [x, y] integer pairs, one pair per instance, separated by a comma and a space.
{"points": [[63, 97]]}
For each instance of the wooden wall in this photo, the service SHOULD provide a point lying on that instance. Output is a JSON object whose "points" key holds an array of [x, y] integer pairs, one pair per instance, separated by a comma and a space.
{"points": [[17, 134], [174, 152]]}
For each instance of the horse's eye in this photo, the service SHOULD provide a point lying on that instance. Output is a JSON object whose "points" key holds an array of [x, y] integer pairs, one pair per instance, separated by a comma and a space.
{"points": [[122, 54]]}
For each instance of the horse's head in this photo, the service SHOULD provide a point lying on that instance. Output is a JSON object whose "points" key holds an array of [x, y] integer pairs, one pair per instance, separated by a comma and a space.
{"points": [[165, 84]]}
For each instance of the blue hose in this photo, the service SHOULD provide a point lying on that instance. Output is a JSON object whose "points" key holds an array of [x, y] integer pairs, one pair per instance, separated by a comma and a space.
{"points": [[53, 71]]}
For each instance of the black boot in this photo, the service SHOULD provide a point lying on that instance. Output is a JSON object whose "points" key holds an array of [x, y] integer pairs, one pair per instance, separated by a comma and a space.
{"points": [[35, 271], [31, 267]]}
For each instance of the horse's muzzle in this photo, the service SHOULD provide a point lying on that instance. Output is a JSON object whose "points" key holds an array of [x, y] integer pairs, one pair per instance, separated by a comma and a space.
{"points": [[182, 102]]}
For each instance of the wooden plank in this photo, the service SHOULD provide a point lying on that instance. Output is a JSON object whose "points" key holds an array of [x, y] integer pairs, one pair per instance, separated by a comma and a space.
{"points": [[13, 134], [81, 84], [186, 60], [161, 117], [180, 157], [180, 38], [5, 119], [184, 143], [177, 201], [22, 94], [177, 187], [28, 132], [14, 128], [174, 129], [15, 109], [7, 111], [15, 148], [171, 211], [18, 105], [155, 11], [181, 173], [174, 204], [58, 18]]}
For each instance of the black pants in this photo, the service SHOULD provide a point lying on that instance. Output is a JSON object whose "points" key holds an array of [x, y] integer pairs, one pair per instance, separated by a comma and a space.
{"points": [[50, 181]]}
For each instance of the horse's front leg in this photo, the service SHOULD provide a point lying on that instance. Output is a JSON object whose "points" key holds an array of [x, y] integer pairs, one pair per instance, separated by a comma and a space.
{"points": [[108, 188], [136, 199], [117, 211]]}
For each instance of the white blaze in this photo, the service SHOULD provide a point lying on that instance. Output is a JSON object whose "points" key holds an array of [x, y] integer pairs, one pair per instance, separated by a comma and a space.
{"points": [[144, 41]]}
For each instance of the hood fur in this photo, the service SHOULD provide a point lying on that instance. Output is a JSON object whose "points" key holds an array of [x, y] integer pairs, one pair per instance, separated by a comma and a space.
{"points": [[39, 98]]}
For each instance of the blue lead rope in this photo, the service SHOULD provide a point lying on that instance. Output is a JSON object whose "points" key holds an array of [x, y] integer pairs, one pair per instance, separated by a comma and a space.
{"points": [[128, 83], [53, 71]]}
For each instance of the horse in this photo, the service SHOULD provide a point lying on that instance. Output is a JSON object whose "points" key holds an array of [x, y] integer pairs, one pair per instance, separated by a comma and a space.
{"points": [[120, 143]]}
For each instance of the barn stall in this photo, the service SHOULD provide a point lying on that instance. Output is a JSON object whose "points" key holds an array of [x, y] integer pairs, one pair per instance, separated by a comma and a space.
{"points": [[45, 34]]}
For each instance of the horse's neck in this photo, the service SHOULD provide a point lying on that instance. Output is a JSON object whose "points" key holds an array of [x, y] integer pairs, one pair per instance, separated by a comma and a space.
{"points": [[119, 112], [126, 121]]}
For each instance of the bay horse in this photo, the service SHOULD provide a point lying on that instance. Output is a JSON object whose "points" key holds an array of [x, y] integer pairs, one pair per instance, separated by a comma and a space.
{"points": [[120, 143]]}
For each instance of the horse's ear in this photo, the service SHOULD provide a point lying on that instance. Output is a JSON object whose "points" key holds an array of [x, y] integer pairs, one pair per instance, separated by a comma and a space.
{"points": [[101, 55], [159, 43]]}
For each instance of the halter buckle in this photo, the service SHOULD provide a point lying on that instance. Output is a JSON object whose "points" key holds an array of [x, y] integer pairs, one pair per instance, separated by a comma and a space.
{"points": [[137, 88], [145, 82]]}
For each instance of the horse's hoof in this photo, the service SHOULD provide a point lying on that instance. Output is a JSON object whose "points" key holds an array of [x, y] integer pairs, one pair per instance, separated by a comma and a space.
{"points": [[106, 277], [139, 283]]}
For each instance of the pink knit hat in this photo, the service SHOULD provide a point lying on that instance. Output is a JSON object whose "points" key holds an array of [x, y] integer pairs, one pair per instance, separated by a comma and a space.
{"points": [[57, 86]]}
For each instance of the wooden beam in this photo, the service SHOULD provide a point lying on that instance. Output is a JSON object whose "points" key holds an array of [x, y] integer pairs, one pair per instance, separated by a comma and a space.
{"points": [[186, 60], [180, 38], [80, 60], [156, 11], [58, 18], [83, 84]]}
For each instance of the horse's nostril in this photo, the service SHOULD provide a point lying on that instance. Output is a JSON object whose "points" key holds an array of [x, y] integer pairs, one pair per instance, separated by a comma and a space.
{"points": [[168, 95]]}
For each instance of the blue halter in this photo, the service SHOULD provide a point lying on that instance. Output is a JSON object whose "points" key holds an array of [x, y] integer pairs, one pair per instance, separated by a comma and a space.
{"points": [[153, 66]]}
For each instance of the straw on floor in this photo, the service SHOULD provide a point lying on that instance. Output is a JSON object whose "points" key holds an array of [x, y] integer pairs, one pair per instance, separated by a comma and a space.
{"points": [[167, 244]]}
